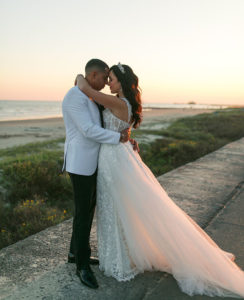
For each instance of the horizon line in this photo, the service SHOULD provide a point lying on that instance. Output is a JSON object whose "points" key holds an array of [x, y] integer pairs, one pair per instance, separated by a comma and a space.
{"points": [[143, 102]]}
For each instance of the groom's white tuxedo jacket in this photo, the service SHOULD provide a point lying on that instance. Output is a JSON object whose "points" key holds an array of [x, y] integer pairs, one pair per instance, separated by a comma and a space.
{"points": [[84, 133]]}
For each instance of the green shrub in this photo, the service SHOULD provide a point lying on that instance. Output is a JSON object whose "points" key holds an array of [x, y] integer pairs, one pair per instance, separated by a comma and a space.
{"points": [[27, 218], [33, 172], [190, 138], [223, 125], [36, 175]]}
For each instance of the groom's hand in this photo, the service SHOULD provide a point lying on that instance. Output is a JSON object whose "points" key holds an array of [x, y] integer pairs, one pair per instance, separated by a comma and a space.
{"points": [[135, 145], [125, 135]]}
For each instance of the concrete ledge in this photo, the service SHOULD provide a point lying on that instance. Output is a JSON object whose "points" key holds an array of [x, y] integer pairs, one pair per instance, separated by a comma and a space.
{"points": [[210, 190]]}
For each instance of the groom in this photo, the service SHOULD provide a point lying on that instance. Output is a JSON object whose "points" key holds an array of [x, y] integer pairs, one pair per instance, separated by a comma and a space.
{"points": [[84, 134]]}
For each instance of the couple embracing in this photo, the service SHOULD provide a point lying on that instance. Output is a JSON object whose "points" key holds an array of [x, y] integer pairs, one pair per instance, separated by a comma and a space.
{"points": [[139, 228]]}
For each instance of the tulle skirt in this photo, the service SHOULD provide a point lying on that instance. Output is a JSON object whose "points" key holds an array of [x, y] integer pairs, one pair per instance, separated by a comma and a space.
{"points": [[140, 228]]}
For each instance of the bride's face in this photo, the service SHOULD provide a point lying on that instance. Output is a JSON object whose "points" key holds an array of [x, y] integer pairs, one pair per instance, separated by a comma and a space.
{"points": [[114, 84]]}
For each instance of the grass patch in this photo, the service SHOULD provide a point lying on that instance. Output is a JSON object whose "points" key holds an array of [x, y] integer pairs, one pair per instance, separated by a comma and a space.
{"points": [[26, 218], [31, 148], [35, 195], [190, 138]]}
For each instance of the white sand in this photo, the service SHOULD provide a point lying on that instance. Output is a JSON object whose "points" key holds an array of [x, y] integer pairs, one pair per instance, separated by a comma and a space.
{"points": [[14, 133]]}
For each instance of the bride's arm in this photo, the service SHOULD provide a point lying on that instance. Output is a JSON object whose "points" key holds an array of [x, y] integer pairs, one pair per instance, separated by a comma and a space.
{"points": [[108, 101]]}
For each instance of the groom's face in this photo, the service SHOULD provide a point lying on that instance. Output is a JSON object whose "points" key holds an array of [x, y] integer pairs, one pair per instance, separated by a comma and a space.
{"points": [[100, 79]]}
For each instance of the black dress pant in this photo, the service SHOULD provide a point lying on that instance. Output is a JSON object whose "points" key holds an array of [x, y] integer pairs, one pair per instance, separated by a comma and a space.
{"points": [[84, 188]]}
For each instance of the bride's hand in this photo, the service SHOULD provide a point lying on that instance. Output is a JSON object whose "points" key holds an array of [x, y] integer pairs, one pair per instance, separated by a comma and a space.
{"points": [[81, 81], [135, 145], [75, 83]]}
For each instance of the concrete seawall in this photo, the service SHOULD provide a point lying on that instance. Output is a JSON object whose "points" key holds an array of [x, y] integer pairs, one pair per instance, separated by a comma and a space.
{"points": [[210, 190]]}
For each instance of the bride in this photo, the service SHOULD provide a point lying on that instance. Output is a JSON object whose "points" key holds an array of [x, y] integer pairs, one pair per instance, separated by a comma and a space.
{"points": [[139, 227]]}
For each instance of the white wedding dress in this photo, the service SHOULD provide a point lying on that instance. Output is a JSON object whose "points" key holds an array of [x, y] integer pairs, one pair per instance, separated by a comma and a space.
{"points": [[140, 228]]}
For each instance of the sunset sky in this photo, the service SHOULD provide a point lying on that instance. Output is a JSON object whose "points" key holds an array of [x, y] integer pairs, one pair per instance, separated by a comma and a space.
{"points": [[181, 50]]}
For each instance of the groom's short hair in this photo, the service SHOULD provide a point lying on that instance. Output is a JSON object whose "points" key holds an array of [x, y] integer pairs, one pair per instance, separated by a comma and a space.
{"points": [[95, 64]]}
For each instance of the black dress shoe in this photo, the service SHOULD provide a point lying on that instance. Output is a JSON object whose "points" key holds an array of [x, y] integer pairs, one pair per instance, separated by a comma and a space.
{"points": [[88, 278], [93, 260]]}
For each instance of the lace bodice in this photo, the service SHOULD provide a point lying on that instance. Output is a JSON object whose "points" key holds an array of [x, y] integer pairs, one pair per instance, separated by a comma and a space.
{"points": [[114, 123]]}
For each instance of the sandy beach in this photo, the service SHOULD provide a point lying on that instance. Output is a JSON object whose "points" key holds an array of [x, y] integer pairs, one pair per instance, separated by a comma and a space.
{"points": [[14, 133]]}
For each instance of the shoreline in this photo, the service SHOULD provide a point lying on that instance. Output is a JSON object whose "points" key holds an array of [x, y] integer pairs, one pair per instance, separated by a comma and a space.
{"points": [[21, 132], [147, 112], [34, 120]]}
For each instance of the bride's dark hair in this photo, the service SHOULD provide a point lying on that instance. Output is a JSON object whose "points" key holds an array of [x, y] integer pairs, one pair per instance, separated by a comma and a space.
{"points": [[129, 84]]}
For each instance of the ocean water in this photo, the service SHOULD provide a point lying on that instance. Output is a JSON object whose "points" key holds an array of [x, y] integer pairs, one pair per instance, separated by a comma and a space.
{"points": [[23, 110]]}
